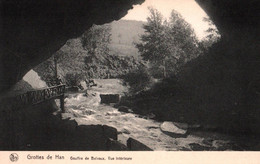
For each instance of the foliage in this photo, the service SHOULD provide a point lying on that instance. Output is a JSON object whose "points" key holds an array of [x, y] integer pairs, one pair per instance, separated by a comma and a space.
{"points": [[138, 80], [182, 36], [152, 46], [73, 58], [73, 79], [169, 44], [213, 35], [96, 39]]}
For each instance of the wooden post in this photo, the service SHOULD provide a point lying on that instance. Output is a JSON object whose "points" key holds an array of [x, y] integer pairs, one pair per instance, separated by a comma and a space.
{"points": [[164, 69], [56, 69], [62, 103]]}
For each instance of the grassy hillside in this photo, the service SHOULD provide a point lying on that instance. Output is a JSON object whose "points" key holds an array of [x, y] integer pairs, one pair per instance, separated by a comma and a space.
{"points": [[123, 34]]}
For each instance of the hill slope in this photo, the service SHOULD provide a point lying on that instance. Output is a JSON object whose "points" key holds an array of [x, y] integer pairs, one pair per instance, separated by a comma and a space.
{"points": [[123, 34], [73, 61]]}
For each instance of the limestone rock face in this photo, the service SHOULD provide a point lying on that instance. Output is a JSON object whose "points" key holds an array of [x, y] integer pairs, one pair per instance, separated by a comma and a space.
{"points": [[31, 31], [233, 16], [34, 80]]}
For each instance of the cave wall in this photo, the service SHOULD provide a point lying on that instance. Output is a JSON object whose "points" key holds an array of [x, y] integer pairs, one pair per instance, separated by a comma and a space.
{"points": [[31, 31], [225, 88], [236, 56], [234, 18]]}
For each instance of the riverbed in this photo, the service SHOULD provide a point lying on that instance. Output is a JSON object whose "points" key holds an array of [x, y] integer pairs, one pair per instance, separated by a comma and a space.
{"points": [[87, 110]]}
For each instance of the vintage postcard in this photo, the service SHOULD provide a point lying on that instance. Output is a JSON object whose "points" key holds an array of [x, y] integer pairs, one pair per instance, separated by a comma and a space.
{"points": [[129, 81]]}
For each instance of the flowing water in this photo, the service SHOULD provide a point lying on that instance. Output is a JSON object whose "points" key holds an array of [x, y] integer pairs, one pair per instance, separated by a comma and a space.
{"points": [[88, 110]]}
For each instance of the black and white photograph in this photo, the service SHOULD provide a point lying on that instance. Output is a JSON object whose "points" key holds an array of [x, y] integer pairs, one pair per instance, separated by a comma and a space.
{"points": [[129, 75]]}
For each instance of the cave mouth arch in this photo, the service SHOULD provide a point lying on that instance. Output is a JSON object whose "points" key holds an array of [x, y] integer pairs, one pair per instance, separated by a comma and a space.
{"points": [[32, 30], [131, 16], [230, 74]]}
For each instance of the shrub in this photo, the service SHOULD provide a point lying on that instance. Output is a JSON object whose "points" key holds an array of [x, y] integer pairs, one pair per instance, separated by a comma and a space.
{"points": [[138, 80], [73, 79]]}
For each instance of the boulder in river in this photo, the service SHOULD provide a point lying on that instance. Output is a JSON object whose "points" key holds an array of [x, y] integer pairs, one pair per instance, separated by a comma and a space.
{"points": [[174, 129], [109, 98], [110, 132], [113, 145], [135, 145], [125, 131], [125, 109]]}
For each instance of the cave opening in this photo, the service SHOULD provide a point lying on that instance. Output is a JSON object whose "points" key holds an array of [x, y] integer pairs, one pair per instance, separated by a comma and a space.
{"points": [[217, 91]]}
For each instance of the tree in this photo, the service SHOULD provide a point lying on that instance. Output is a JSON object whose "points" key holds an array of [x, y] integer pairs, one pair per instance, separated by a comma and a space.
{"points": [[182, 35], [213, 35], [153, 46], [86, 57], [168, 44], [95, 40]]}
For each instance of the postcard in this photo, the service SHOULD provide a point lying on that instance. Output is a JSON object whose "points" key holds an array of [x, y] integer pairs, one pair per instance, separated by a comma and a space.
{"points": [[129, 81]]}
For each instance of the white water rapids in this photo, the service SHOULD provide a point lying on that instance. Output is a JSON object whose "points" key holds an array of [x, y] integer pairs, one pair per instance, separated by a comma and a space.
{"points": [[87, 110]]}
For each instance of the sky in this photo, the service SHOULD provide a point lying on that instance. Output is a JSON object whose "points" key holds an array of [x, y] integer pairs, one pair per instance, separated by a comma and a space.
{"points": [[189, 9]]}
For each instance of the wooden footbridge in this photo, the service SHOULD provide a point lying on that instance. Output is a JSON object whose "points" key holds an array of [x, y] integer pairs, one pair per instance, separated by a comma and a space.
{"points": [[38, 96]]}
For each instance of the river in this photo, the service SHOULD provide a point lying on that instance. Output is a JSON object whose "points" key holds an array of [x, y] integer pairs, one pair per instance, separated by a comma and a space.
{"points": [[87, 110]]}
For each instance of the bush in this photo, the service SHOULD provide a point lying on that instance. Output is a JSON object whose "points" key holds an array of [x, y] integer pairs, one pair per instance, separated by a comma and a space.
{"points": [[138, 80], [73, 79]]}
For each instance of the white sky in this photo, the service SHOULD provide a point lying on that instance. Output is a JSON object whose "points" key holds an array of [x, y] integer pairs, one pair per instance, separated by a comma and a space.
{"points": [[189, 9]]}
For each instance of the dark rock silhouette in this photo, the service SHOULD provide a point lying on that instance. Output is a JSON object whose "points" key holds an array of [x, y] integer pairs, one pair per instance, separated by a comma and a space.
{"points": [[135, 145], [109, 98], [31, 31]]}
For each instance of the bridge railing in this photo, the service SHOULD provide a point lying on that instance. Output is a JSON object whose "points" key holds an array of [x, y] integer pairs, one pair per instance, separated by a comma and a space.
{"points": [[38, 96]]}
